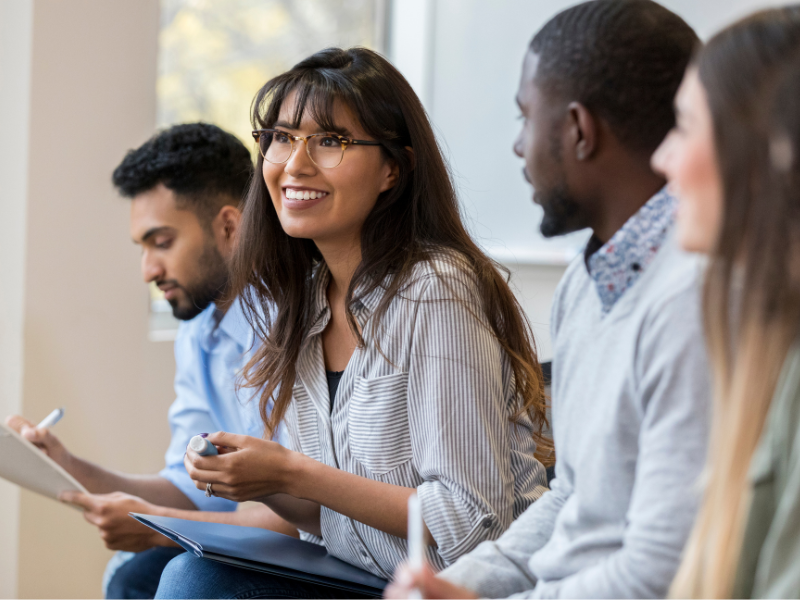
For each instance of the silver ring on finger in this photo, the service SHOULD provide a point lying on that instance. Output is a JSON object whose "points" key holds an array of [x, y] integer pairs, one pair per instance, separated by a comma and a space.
{"points": [[209, 491]]}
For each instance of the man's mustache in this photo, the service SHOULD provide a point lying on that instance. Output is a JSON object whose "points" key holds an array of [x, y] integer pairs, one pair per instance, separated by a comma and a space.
{"points": [[168, 284]]}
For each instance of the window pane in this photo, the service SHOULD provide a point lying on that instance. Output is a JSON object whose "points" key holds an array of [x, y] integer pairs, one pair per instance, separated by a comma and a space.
{"points": [[216, 54]]}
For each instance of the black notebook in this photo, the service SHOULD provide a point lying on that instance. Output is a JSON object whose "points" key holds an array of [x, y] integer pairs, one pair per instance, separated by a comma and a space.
{"points": [[265, 551]]}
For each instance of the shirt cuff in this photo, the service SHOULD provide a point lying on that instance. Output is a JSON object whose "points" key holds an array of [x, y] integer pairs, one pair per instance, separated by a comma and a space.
{"points": [[455, 532], [181, 480]]}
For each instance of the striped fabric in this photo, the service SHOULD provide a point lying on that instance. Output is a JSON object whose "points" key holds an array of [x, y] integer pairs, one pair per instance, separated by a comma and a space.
{"points": [[432, 413]]}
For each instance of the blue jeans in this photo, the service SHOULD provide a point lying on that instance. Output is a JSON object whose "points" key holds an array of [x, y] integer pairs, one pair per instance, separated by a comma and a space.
{"points": [[137, 575], [187, 576]]}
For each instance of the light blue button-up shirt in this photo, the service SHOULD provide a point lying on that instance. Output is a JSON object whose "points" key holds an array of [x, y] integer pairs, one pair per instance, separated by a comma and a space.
{"points": [[209, 354]]}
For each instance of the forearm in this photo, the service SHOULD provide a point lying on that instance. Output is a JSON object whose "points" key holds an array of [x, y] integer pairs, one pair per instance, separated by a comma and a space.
{"points": [[374, 503], [256, 516], [152, 488], [302, 514]]}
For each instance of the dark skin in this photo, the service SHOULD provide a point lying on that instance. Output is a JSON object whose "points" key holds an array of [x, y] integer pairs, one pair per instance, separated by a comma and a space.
{"points": [[607, 181], [605, 184]]}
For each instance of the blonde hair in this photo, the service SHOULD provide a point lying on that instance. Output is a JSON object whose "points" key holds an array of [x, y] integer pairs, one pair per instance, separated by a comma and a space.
{"points": [[752, 292]]}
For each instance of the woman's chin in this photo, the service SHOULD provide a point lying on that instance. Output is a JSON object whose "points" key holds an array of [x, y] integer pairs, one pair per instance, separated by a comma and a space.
{"points": [[299, 228], [693, 239]]}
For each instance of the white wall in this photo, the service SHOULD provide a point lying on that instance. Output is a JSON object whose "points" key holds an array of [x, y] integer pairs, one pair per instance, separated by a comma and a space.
{"points": [[463, 57]]}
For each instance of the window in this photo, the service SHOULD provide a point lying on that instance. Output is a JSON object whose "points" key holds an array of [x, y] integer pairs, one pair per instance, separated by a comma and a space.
{"points": [[214, 55]]}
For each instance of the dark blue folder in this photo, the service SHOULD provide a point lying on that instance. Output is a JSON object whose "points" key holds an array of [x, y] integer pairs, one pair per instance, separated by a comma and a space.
{"points": [[265, 551]]}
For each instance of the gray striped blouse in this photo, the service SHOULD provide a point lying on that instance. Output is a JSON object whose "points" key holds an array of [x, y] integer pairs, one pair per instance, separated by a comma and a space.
{"points": [[426, 407]]}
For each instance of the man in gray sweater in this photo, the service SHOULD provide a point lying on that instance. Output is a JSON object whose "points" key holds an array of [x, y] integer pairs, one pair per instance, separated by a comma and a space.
{"points": [[631, 385]]}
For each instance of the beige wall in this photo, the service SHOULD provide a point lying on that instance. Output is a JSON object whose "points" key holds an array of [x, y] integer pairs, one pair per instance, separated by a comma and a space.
{"points": [[74, 309]]}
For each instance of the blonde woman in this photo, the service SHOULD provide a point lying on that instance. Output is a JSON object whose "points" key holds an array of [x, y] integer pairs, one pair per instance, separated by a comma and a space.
{"points": [[734, 161]]}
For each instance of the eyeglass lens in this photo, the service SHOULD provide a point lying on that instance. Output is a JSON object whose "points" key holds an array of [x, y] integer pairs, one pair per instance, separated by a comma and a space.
{"points": [[325, 151]]}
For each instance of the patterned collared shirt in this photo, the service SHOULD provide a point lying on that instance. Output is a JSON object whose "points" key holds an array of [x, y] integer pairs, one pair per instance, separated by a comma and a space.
{"points": [[426, 404], [620, 262]]}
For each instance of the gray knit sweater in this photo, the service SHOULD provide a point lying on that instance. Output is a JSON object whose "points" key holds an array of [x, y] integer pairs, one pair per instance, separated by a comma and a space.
{"points": [[631, 410]]}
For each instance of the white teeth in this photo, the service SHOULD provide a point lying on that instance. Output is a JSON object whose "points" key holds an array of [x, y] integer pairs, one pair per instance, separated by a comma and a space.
{"points": [[304, 195]]}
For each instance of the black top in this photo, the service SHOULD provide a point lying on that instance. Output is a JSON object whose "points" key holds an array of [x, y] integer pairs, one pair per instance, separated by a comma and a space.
{"points": [[334, 377]]}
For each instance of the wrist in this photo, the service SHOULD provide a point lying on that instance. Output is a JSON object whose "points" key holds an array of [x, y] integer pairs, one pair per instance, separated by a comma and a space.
{"points": [[69, 463], [297, 473], [156, 539], [158, 511]]}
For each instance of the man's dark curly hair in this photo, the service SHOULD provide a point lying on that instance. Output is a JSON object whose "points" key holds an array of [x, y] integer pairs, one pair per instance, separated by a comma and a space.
{"points": [[206, 167], [622, 59]]}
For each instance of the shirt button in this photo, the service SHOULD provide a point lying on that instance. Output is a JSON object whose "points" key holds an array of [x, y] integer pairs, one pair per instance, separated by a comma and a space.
{"points": [[364, 553], [487, 522]]}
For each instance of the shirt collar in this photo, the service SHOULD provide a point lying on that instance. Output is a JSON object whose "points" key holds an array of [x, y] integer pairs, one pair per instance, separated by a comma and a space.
{"points": [[232, 325], [364, 304], [619, 263], [235, 325]]}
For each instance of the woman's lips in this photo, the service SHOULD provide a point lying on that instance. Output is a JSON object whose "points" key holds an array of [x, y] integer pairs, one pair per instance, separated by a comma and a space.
{"points": [[303, 193], [301, 199]]}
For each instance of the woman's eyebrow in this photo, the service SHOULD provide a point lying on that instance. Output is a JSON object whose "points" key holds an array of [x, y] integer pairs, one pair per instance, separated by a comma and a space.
{"points": [[343, 131]]}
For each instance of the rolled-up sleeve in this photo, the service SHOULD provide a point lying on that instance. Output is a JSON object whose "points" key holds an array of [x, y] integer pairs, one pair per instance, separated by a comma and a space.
{"points": [[458, 377], [189, 415]]}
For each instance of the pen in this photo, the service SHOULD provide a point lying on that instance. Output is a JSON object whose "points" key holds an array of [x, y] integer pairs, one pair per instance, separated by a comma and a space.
{"points": [[51, 419], [416, 539], [202, 446]]}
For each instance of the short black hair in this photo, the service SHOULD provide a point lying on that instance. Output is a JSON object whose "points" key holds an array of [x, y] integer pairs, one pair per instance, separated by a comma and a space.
{"points": [[206, 167], [622, 59]]}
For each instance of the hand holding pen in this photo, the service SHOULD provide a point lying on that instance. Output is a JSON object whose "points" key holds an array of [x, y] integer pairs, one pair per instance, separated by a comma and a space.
{"points": [[41, 436], [415, 579]]}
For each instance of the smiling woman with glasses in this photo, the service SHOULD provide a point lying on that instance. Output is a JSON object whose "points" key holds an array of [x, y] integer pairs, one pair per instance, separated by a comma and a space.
{"points": [[392, 347]]}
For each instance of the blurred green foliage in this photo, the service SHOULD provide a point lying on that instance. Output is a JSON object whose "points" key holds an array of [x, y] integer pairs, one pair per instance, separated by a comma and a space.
{"points": [[214, 55]]}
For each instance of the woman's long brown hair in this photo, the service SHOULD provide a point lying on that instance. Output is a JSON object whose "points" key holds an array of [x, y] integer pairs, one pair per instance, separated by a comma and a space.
{"points": [[752, 291], [410, 223]]}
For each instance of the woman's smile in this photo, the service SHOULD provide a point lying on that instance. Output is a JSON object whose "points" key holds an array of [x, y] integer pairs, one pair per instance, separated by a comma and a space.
{"points": [[302, 198]]}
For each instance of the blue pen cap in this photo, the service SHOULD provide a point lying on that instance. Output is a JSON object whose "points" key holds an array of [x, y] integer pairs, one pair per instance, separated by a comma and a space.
{"points": [[202, 446]]}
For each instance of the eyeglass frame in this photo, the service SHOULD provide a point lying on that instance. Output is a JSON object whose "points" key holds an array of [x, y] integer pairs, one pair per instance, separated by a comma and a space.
{"points": [[344, 141]]}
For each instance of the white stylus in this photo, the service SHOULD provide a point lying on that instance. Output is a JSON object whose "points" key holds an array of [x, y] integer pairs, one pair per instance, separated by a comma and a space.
{"points": [[51, 419], [416, 540]]}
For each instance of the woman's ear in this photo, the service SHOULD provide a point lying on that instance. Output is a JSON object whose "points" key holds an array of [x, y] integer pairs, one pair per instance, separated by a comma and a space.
{"points": [[394, 170]]}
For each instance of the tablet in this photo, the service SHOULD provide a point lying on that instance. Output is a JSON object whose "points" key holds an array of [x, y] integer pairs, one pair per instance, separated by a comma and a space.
{"points": [[26, 465]]}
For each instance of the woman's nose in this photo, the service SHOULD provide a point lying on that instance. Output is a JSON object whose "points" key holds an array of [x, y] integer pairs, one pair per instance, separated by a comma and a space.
{"points": [[300, 162]]}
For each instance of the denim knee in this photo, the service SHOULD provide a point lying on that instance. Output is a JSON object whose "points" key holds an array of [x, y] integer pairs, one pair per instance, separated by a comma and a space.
{"points": [[182, 577]]}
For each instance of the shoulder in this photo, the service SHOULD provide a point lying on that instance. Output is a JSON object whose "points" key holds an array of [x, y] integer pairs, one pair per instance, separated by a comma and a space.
{"points": [[786, 400], [670, 348], [445, 274], [572, 286], [673, 295]]}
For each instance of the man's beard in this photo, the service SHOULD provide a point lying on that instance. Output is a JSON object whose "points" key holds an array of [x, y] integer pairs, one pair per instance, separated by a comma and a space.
{"points": [[209, 289], [562, 214]]}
